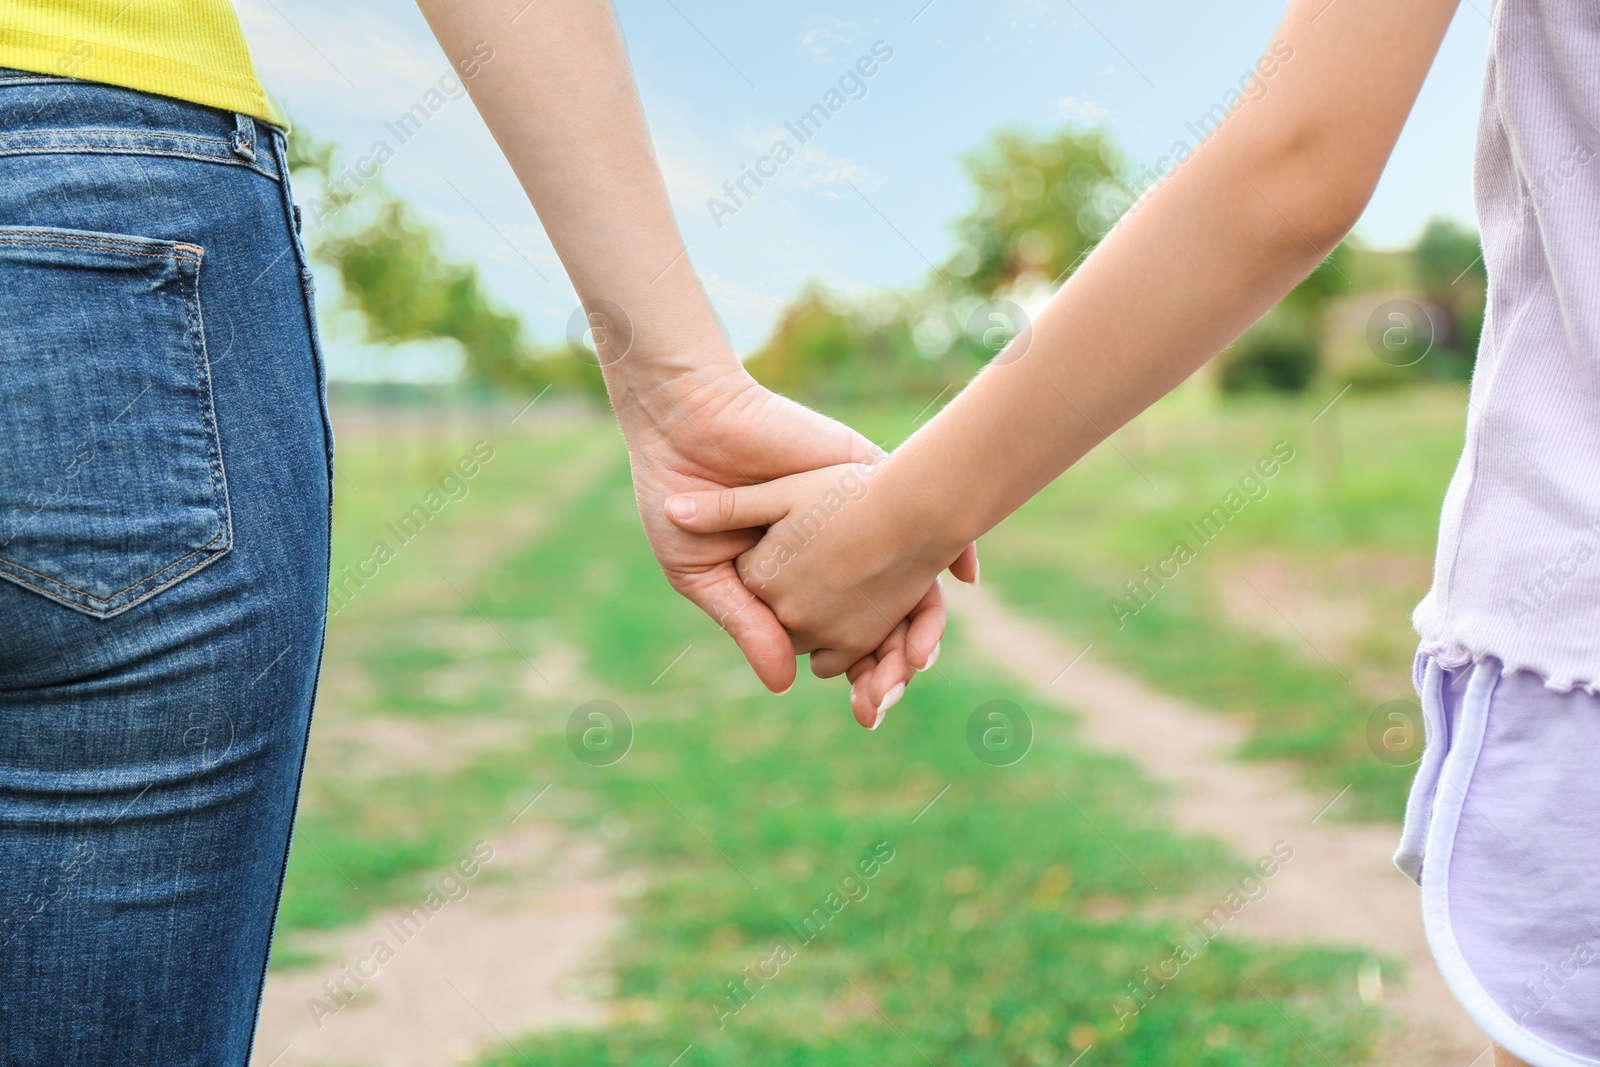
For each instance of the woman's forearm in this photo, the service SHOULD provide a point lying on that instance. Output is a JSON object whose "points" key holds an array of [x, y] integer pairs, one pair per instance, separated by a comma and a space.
{"points": [[560, 99], [1205, 255]]}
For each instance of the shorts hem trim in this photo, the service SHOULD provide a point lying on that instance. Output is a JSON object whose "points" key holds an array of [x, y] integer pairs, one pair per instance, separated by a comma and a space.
{"points": [[1459, 767]]}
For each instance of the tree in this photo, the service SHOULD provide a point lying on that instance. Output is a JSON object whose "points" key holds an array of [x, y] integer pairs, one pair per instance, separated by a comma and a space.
{"points": [[1451, 272], [827, 348], [395, 269], [1280, 353], [1043, 204], [1283, 351]]}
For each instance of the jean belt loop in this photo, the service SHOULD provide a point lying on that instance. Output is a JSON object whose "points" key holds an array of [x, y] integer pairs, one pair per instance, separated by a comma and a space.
{"points": [[244, 138]]}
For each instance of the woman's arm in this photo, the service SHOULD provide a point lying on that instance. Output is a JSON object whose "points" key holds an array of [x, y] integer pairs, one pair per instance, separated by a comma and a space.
{"points": [[1224, 237], [561, 102]]}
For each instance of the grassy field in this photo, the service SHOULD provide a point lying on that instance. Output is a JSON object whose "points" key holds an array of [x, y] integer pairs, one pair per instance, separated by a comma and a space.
{"points": [[1295, 611], [812, 894]]}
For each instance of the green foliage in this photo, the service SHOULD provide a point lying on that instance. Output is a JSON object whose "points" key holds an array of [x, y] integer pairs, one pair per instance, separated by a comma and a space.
{"points": [[1279, 353], [1449, 254], [396, 270], [831, 350], [1452, 275], [398, 273], [1043, 203]]}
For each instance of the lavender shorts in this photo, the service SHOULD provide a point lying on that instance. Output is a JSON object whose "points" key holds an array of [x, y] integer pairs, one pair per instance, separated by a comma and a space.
{"points": [[1502, 832]]}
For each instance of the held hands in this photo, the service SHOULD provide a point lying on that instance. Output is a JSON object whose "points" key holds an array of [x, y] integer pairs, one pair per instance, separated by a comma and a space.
{"points": [[698, 434], [847, 572]]}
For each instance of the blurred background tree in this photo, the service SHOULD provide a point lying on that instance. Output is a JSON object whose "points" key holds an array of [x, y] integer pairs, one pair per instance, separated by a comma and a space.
{"points": [[1283, 352], [1453, 279], [397, 271], [1042, 202]]}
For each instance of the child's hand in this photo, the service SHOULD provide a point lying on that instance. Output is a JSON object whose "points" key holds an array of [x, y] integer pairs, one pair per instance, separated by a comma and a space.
{"points": [[853, 582]]}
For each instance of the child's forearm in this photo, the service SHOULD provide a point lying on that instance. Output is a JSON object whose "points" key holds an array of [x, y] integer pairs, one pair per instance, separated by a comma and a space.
{"points": [[1205, 255]]}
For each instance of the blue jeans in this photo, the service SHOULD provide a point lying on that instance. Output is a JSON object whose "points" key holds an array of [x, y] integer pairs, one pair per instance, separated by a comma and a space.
{"points": [[165, 463]]}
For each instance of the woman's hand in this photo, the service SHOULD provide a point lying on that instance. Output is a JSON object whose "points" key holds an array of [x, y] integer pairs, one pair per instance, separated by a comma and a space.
{"points": [[852, 578], [709, 432], [560, 100]]}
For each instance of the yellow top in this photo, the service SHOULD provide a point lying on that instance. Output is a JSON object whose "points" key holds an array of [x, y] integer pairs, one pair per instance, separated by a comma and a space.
{"points": [[190, 49]]}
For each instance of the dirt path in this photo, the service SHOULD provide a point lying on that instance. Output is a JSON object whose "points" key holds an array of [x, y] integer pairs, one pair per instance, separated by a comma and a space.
{"points": [[520, 951], [1340, 888], [523, 945]]}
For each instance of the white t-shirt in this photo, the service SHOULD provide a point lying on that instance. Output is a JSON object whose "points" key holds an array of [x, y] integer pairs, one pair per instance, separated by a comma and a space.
{"points": [[1517, 574]]}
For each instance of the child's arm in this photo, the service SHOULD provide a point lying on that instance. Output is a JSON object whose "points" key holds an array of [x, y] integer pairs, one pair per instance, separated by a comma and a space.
{"points": [[553, 84], [1232, 230]]}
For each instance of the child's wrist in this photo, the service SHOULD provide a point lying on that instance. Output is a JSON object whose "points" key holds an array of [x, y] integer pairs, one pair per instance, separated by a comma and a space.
{"points": [[924, 517]]}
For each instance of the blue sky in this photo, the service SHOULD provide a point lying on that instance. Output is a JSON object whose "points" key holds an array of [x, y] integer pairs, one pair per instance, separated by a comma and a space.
{"points": [[720, 79]]}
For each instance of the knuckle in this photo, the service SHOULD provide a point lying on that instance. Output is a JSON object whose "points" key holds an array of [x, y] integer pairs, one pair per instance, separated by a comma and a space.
{"points": [[727, 505]]}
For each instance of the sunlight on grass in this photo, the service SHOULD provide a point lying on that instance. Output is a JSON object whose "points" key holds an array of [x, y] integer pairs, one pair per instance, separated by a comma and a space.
{"points": [[1008, 909]]}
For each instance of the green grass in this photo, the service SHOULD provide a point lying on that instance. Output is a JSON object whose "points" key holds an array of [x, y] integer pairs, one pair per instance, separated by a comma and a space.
{"points": [[1008, 922], [361, 843], [1363, 491]]}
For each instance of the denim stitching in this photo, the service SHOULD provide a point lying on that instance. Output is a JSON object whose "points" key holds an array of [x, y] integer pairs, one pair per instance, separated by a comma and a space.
{"points": [[167, 135], [229, 160], [172, 250], [316, 678], [203, 398], [219, 499], [97, 246], [109, 612], [109, 239], [207, 547]]}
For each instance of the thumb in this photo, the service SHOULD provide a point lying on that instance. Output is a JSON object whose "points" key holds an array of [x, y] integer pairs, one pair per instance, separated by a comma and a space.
{"points": [[720, 510]]}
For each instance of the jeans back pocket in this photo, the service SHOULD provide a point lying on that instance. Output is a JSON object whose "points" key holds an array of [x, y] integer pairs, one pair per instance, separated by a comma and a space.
{"points": [[111, 479]]}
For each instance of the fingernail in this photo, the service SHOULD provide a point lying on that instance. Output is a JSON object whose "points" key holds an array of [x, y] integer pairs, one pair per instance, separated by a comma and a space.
{"points": [[682, 508], [933, 657], [977, 565], [890, 699], [785, 690]]}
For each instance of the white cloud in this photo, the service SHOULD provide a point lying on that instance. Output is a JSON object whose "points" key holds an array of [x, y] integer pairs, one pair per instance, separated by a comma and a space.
{"points": [[832, 175], [824, 34], [1081, 111]]}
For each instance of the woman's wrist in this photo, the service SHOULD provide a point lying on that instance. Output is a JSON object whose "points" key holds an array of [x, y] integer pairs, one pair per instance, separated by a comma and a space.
{"points": [[672, 394]]}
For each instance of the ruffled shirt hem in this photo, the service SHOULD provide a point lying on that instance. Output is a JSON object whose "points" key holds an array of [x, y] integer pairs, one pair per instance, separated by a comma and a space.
{"points": [[1455, 654]]}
